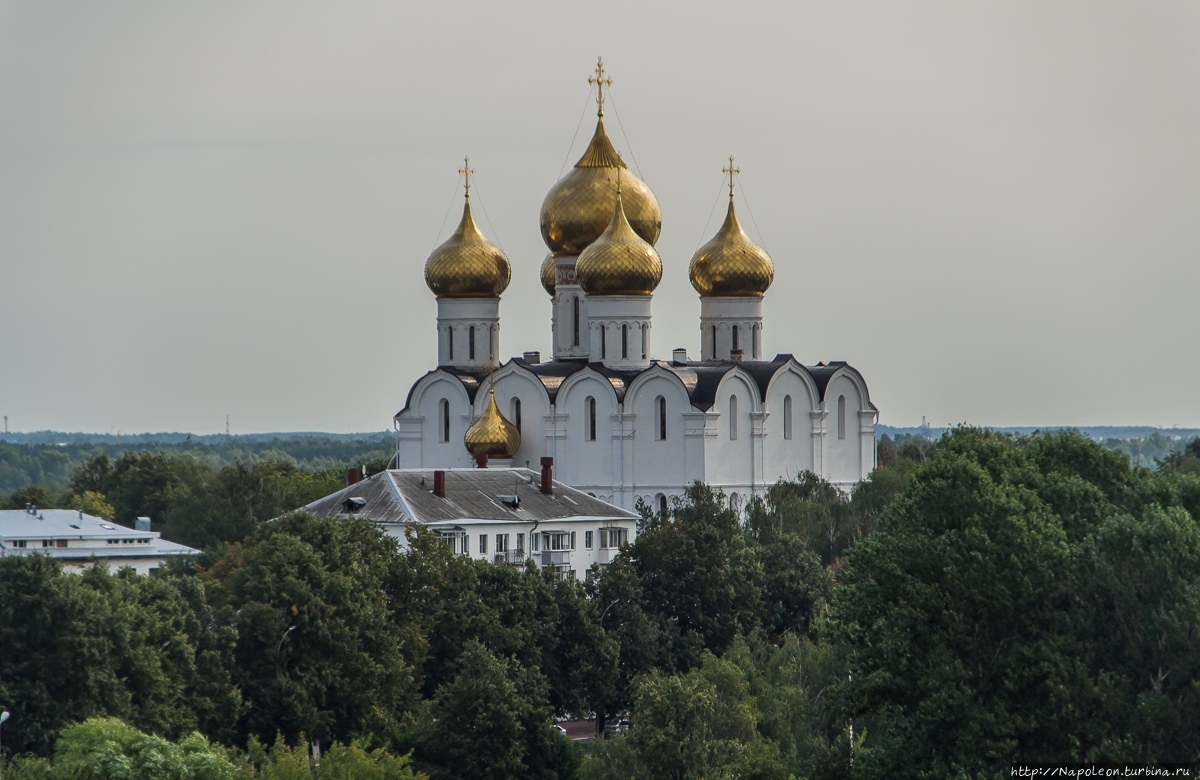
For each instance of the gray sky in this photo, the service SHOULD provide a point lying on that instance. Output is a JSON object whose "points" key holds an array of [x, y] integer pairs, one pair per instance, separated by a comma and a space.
{"points": [[225, 207]]}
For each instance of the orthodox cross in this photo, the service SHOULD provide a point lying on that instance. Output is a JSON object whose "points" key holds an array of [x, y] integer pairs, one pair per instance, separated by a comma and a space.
{"points": [[731, 171], [600, 83], [467, 172]]}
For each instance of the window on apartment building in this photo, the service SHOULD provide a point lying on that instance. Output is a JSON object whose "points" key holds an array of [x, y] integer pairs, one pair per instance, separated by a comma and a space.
{"points": [[60, 542], [501, 543], [18, 543], [587, 540], [520, 541], [533, 542], [483, 544], [572, 540], [558, 540], [612, 538]]}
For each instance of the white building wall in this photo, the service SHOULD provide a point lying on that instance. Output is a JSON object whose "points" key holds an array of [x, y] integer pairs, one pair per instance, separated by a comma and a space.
{"points": [[729, 452], [583, 463], [659, 465], [786, 458], [843, 443]]}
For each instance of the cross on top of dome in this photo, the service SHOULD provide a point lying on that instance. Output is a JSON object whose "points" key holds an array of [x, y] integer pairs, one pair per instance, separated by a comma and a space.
{"points": [[601, 82]]}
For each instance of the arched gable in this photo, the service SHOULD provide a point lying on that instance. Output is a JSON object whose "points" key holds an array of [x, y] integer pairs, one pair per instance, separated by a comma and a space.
{"points": [[851, 374], [657, 381], [738, 377], [442, 384], [789, 375]]}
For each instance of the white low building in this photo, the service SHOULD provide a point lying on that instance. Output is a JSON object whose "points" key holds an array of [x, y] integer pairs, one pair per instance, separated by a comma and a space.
{"points": [[79, 540], [502, 515], [621, 422]]}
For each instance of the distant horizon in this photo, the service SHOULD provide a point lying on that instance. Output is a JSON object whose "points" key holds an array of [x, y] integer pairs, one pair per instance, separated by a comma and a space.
{"points": [[882, 429]]}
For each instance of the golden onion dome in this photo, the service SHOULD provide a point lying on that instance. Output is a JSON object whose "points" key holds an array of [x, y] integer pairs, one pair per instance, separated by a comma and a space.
{"points": [[731, 264], [579, 206], [491, 434], [619, 262], [548, 274], [467, 265]]}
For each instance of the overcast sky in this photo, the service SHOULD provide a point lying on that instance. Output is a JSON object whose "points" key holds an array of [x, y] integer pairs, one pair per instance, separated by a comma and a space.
{"points": [[991, 209]]}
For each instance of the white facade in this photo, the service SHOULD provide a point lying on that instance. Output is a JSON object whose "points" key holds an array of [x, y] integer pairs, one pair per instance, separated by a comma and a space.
{"points": [[79, 540], [648, 434]]}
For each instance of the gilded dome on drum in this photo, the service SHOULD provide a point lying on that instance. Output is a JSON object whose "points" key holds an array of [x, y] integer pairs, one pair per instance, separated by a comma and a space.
{"points": [[731, 264], [467, 265], [619, 262], [580, 205], [491, 434]]}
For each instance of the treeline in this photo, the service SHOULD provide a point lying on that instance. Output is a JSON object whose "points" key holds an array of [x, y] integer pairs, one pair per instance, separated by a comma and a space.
{"points": [[979, 601], [189, 501], [49, 466]]}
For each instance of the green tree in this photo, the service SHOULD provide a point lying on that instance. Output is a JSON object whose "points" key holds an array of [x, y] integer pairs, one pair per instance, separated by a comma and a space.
{"points": [[317, 650], [107, 749], [489, 722]]}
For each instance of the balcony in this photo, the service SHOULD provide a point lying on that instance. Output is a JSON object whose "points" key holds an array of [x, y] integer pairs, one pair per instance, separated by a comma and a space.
{"points": [[605, 555], [556, 557], [514, 557]]}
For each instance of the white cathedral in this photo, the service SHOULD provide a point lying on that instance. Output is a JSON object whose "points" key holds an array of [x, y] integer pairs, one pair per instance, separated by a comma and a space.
{"points": [[617, 421]]}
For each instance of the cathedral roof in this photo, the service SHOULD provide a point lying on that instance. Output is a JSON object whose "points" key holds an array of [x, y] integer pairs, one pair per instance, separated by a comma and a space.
{"points": [[700, 378]]}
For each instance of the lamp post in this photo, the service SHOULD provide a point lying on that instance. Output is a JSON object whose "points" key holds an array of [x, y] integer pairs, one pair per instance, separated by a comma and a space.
{"points": [[3, 717], [286, 634]]}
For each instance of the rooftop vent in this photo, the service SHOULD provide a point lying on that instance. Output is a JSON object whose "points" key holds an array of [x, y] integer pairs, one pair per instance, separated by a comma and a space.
{"points": [[142, 524], [439, 484], [513, 501], [533, 357], [679, 355], [736, 355], [354, 503]]}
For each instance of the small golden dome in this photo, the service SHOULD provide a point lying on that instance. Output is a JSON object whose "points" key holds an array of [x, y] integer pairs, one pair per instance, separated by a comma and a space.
{"points": [[619, 262], [548, 273], [731, 265], [467, 265], [579, 206], [491, 434]]}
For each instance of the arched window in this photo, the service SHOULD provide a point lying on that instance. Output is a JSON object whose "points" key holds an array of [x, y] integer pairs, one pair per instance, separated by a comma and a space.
{"points": [[754, 342], [624, 341], [590, 433], [575, 317], [660, 407], [471, 343], [603, 342], [662, 504], [491, 341], [735, 338], [450, 340], [445, 420], [516, 412], [841, 416], [732, 417], [787, 417], [714, 342], [645, 334], [735, 503]]}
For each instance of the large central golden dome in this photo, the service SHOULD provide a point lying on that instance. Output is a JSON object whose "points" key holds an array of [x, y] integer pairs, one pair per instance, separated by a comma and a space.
{"points": [[619, 262], [467, 265], [491, 434], [579, 207]]}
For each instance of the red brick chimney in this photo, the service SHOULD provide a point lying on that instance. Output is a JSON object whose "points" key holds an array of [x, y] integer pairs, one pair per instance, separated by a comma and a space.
{"points": [[439, 483], [353, 476], [481, 461], [547, 475]]}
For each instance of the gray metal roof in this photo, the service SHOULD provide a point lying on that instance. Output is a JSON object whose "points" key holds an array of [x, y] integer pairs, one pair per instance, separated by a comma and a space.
{"points": [[18, 524], [406, 496]]}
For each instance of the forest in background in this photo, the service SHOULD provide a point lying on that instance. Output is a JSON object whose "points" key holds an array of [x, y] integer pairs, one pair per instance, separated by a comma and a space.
{"points": [[979, 600]]}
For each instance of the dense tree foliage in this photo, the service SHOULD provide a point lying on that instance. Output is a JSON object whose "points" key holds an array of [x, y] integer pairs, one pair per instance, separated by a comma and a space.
{"points": [[979, 600]]}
